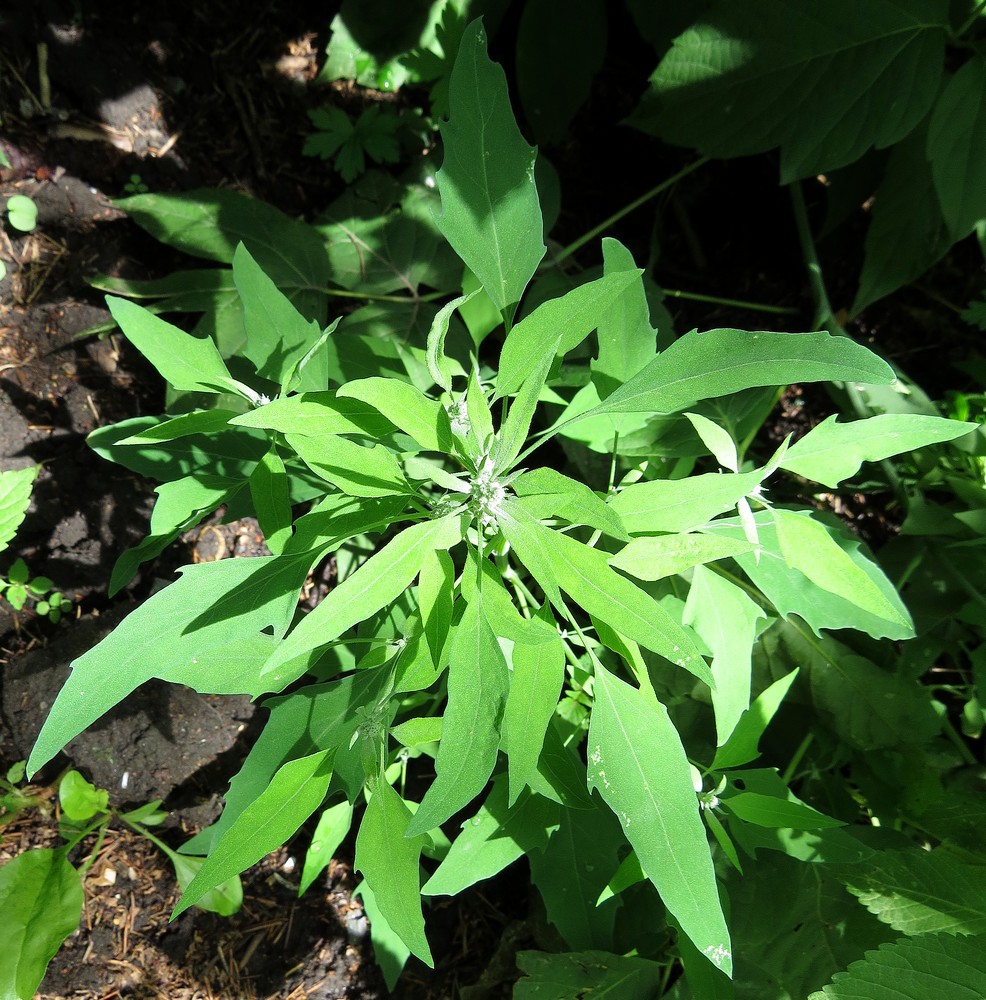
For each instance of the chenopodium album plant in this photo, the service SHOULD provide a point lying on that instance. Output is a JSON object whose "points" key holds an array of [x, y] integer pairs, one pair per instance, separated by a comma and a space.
{"points": [[576, 655]]}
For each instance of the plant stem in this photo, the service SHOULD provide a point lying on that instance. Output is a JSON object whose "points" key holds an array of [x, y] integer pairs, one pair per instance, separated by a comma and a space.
{"points": [[411, 300], [970, 20], [964, 752], [797, 758], [567, 252], [676, 293]]}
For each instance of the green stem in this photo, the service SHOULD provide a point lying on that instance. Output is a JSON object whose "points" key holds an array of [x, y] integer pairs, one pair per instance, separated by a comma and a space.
{"points": [[797, 758], [567, 252], [970, 20], [675, 293], [966, 754]]}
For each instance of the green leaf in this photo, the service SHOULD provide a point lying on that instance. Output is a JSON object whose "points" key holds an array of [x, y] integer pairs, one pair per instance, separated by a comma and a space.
{"points": [[477, 693], [224, 899], [438, 363], [15, 496], [822, 84], [270, 493], [947, 968], [317, 414], [555, 560], [557, 326], [406, 407], [294, 793], [807, 545], [955, 148], [535, 686], [920, 892], [197, 422], [545, 492], [22, 212], [514, 429], [277, 335], [495, 837], [639, 767], [720, 362], [387, 854], [186, 363], [770, 811], [726, 619], [79, 799], [436, 584], [599, 974], [389, 950], [832, 452], [658, 556], [205, 631], [378, 582], [743, 744], [356, 470], [332, 829], [490, 209], [41, 902]]}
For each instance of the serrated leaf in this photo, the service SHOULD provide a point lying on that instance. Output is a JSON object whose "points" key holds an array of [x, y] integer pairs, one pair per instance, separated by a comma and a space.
{"points": [[477, 693], [832, 452], [295, 791], [557, 561], [823, 84], [639, 767], [947, 968], [41, 902], [388, 858], [15, 496], [720, 362], [490, 209], [955, 134]]}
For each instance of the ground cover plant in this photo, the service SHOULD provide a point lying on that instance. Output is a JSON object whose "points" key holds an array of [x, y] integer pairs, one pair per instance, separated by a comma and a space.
{"points": [[578, 614]]}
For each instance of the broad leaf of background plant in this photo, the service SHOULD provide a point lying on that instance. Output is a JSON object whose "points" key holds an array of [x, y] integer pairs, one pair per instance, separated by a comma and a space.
{"points": [[294, 793], [490, 209], [955, 148], [726, 619], [220, 651], [719, 362], [477, 693], [599, 974], [388, 859], [824, 83], [560, 48], [920, 892], [639, 767], [939, 966], [908, 232], [41, 902], [15, 495], [832, 452], [211, 223]]}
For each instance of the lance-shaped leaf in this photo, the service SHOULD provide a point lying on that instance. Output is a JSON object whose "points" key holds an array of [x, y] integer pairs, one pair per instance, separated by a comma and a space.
{"points": [[218, 650], [490, 209], [438, 363], [832, 452], [545, 492], [270, 492], [477, 693], [719, 362], [513, 431], [654, 557], [726, 618], [558, 325], [378, 582], [743, 745], [41, 902], [557, 561], [356, 470], [196, 422], [387, 855], [406, 407], [823, 83], [317, 414], [294, 793], [639, 767], [186, 363]]}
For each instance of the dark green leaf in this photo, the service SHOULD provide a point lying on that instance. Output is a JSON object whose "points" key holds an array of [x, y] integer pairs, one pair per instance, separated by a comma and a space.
{"points": [[598, 974]]}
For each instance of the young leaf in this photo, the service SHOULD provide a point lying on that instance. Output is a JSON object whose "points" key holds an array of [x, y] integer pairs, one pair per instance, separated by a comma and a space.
{"points": [[726, 619], [831, 76], [555, 560], [387, 855], [438, 364], [655, 557], [639, 767], [743, 745], [832, 452], [490, 209], [436, 585], [407, 408], [938, 965], [269, 490], [378, 582], [15, 495], [514, 429], [477, 693], [80, 800], [41, 902], [294, 793], [720, 362]]}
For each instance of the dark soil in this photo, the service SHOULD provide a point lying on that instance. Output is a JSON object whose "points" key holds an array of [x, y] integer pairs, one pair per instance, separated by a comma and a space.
{"points": [[200, 94]]}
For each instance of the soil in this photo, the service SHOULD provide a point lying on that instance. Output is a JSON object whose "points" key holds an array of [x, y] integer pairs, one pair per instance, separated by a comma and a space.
{"points": [[190, 95]]}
